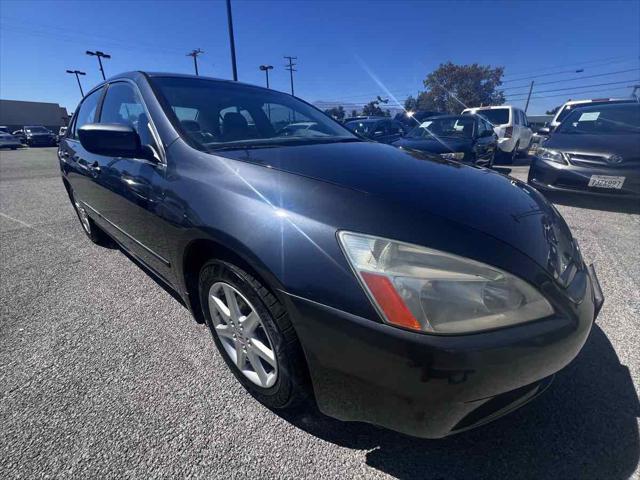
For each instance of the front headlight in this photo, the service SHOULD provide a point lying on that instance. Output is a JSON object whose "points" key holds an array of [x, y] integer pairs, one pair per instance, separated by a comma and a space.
{"points": [[431, 291], [551, 155], [453, 155]]}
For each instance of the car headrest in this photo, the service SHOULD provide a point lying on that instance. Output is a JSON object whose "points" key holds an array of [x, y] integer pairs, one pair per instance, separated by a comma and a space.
{"points": [[234, 126]]}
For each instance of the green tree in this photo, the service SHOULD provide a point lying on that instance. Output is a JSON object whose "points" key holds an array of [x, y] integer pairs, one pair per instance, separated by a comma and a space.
{"points": [[336, 112], [411, 103], [373, 109], [452, 87], [553, 110]]}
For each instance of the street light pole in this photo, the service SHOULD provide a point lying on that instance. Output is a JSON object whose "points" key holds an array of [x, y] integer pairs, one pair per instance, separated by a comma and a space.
{"points": [[195, 54], [265, 69], [76, 73], [100, 56], [291, 69], [232, 42]]}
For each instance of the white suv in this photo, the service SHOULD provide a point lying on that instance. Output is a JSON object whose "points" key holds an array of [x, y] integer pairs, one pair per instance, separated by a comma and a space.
{"points": [[511, 127]]}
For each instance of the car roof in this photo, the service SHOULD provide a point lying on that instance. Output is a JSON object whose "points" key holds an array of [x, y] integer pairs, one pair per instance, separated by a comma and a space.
{"points": [[492, 107], [590, 100], [608, 106]]}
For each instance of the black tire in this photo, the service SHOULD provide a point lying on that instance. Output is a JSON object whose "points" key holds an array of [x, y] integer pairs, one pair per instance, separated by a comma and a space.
{"points": [[291, 388], [91, 230]]}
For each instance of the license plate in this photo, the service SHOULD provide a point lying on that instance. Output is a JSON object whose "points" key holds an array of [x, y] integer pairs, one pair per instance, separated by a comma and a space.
{"points": [[606, 181]]}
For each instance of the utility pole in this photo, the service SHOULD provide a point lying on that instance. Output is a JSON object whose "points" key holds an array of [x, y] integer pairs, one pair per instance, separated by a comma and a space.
{"points": [[194, 54], [528, 97], [291, 69], [232, 42], [265, 69], [100, 56], [76, 73]]}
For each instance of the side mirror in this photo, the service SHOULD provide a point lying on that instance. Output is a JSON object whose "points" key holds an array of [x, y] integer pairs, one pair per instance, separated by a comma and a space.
{"points": [[111, 140], [544, 131]]}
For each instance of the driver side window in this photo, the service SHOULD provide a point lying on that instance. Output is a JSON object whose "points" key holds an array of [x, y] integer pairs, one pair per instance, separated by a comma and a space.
{"points": [[123, 106]]}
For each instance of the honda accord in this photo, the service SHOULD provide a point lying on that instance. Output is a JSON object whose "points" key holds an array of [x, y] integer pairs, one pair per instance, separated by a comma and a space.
{"points": [[388, 286]]}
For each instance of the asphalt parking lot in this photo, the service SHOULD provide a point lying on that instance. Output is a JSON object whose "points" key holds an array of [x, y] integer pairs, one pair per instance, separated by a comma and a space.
{"points": [[103, 373]]}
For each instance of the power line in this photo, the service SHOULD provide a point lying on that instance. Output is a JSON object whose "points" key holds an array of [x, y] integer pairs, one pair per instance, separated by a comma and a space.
{"points": [[576, 87], [577, 78], [599, 90], [590, 63]]}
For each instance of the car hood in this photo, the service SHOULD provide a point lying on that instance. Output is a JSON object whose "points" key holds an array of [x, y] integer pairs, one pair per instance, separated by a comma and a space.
{"points": [[441, 145], [482, 199], [626, 145]]}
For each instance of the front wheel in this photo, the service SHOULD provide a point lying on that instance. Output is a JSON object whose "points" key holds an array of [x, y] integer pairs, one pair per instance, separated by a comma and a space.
{"points": [[254, 335], [95, 234]]}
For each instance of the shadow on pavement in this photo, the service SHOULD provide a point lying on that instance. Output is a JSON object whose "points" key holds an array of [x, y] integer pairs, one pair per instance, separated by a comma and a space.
{"points": [[584, 426], [609, 204]]}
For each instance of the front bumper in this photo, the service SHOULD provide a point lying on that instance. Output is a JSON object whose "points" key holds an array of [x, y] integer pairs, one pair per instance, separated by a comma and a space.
{"points": [[553, 176], [432, 386]]}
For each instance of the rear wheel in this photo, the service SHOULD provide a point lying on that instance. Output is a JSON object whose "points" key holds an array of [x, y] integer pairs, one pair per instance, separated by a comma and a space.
{"points": [[254, 335]]}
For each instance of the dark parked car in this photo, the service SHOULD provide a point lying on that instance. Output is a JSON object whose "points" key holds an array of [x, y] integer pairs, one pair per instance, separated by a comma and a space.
{"points": [[383, 130], [595, 150], [394, 287], [465, 138], [36, 136], [412, 119]]}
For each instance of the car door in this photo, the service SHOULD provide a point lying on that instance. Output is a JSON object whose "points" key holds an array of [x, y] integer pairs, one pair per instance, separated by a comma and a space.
{"points": [[81, 166], [133, 187], [485, 141]]}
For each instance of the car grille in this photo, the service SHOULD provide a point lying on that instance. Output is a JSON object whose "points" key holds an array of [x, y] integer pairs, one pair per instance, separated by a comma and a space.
{"points": [[585, 160]]}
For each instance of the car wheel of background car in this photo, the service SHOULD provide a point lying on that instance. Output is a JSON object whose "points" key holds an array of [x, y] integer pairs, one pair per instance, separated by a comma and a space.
{"points": [[254, 335], [95, 233], [514, 154]]}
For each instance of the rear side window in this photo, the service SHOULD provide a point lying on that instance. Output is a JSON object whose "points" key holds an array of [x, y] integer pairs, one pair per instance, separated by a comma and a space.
{"points": [[496, 116], [87, 112]]}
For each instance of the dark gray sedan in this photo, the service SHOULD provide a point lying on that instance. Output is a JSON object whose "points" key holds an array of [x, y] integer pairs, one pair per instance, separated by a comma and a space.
{"points": [[596, 150]]}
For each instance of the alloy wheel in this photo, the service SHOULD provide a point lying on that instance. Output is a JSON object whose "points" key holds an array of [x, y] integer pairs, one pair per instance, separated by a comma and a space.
{"points": [[242, 334], [84, 217]]}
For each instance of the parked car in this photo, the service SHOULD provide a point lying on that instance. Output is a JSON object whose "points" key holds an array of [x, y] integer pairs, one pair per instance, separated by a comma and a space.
{"points": [[465, 138], [4, 130], [383, 130], [36, 136], [564, 111], [397, 288], [9, 141], [411, 119], [511, 127], [596, 150]]}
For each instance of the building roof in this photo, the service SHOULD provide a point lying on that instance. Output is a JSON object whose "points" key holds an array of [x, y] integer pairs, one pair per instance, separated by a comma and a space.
{"points": [[18, 112]]}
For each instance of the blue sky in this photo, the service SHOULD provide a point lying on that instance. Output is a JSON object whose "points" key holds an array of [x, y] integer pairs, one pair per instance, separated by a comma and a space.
{"points": [[346, 49]]}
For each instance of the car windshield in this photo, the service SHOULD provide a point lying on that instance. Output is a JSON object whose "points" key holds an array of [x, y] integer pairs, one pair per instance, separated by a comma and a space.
{"points": [[36, 130], [459, 127], [610, 119], [221, 115], [497, 116], [567, 109], [361, 127]]}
